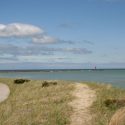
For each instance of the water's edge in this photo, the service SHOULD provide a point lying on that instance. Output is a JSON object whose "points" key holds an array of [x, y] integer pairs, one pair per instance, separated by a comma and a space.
{"points": [[115, 77]]}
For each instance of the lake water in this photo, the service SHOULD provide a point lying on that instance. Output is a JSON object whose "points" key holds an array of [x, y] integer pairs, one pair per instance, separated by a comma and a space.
{"points": [[114, 77]]}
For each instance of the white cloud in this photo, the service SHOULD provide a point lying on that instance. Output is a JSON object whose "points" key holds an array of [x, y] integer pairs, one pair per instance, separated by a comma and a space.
{"points": [[36, 34], [2, 26], [44, 39], [19, 30], [39, 50]]}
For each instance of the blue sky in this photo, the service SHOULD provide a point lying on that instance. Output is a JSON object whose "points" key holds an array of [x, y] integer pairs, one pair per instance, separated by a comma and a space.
{"points": [[62, 34]]}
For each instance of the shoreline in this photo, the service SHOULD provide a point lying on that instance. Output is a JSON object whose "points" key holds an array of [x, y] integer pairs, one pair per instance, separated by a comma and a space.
{"points": [[56, 70], [63, 80], [114, 77]]}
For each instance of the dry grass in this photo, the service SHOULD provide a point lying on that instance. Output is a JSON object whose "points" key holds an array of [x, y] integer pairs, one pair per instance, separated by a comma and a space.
{"points": [[32, 104], [118, 118], [103, 113]]}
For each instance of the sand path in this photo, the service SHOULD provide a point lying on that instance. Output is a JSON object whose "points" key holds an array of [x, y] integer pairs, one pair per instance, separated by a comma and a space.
{"points": [[84, 99], [4, 92]]}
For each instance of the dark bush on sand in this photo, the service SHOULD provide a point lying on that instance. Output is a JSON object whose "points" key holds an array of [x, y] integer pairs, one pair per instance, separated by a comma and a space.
{"points": [[20, 81], [48, 83]]}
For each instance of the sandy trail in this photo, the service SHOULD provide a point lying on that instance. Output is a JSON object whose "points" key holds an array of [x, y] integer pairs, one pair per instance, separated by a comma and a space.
{"points": [[84, 99], [4, 92]]}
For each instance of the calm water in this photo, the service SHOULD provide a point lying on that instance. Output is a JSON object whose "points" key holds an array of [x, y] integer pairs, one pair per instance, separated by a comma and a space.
{"points": [[114, 77]]}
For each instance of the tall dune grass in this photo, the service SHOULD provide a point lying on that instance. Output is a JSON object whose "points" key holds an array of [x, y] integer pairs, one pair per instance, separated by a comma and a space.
{"points": [[103, 113], [32, 104]]}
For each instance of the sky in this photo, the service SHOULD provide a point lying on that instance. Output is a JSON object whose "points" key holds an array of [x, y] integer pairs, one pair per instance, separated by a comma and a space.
{"points": [[42, 34]]}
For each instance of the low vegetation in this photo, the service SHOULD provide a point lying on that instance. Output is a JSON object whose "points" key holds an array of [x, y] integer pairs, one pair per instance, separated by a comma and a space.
{"points": [[31, 103], [109, 100], [37, 102], [48, 83], [21, 81]]}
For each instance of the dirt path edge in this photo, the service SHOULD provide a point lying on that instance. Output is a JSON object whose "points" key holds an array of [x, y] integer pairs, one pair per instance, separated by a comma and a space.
{"points": [[84, 97]]}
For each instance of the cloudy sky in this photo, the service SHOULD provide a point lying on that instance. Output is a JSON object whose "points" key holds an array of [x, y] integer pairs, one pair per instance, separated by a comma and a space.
{"points": [[45, 34]]}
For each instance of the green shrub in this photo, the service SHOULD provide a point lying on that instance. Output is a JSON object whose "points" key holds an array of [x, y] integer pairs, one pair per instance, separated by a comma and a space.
{"points": [[45, 84], [114, 102], [20, 81], [48, 83]]}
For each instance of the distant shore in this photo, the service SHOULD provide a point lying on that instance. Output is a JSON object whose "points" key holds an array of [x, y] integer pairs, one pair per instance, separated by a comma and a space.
{"points": [[48, 70]]}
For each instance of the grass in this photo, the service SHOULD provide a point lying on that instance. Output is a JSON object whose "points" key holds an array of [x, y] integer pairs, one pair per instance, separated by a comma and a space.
{"points": [[32, 104], [103, 113]]}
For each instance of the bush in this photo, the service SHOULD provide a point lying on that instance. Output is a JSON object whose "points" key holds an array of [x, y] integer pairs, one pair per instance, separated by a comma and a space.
{"points": [[114, 102], [54, 83], [20, 81], [47, 83]]}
